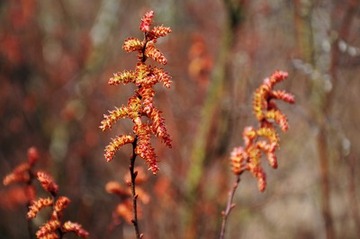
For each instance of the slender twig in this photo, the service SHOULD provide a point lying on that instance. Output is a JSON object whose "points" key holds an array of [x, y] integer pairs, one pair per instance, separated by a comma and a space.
{"points": [[351, 160], [230, 205], [133, 174]]}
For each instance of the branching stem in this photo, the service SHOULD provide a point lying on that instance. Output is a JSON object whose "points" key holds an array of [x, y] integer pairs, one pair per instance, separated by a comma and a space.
{"points": [[230, 205]]}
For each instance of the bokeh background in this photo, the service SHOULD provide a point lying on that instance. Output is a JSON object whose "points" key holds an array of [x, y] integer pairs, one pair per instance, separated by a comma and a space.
{"points": [[56, 58]]}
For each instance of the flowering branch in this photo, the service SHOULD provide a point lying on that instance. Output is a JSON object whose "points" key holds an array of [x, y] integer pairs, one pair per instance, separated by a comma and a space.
{"points": [[53, 228], [147, 119], [261, 141], [24, 173]]}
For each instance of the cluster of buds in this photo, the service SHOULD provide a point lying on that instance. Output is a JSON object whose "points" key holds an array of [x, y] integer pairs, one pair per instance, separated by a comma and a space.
{"points": [[125, 207], [53, 228], [147, 119], [264, 140]]}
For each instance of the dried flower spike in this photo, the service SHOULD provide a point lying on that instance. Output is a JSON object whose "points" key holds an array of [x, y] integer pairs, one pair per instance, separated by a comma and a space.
{"points": [[75, 228], [37, 205], [47, 182], [146, 21], [19, 174], [48, 230], [147, 119]]}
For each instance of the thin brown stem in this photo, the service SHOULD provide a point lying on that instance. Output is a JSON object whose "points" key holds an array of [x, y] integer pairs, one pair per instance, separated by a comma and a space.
{"points": [[353, 206], [133, 174], [230, 205]]}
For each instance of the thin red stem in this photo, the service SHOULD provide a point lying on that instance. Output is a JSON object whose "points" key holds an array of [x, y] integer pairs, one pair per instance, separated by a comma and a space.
{"points": [[230, 205]]}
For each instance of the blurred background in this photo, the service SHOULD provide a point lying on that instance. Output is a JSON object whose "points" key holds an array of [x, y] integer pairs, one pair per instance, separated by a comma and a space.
{"points": [[57, 56]]}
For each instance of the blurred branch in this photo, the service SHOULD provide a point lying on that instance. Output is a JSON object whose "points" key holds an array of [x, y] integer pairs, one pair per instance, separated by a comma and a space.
{"points": [[321, 95], [235, 12], [351, 9], [304, 29], [326, 109], [212, 104], [344, 31], [100, 32], [353, 207]]}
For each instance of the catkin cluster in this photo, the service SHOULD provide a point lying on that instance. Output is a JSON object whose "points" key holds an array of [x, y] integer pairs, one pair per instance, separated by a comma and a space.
{"points": [[263, 140], [54, 228]]}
